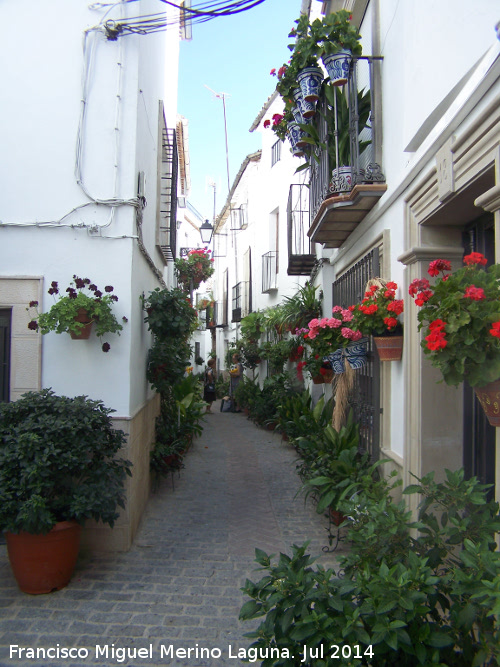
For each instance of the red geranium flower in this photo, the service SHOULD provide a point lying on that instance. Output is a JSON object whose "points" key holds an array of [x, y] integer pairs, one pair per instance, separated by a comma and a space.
{"points": [[475, 293], [495, 330], [475, 258], [439, 265]]}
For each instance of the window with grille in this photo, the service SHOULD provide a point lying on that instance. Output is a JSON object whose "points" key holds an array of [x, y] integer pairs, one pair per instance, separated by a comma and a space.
{"points": [[166, 226], [275, 153], [5, 332], [365, 398]]}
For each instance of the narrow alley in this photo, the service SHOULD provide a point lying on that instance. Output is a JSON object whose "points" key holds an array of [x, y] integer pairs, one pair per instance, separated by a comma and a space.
{"points": [[179, 585]]}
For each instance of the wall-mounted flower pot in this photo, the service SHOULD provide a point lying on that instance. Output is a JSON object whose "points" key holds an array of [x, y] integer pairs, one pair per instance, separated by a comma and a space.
{"points": [[489, 397], [318, 379], [357, 354], [296, 136], [44, 563], [84, 318], [310, 80], [389, 348], [337, 66], [307, 109]]}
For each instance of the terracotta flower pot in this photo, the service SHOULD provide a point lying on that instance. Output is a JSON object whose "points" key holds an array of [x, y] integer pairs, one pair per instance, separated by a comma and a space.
{"points": [[489, 397], [44, 563], [337, 517], [389, 348], [318, 379], [84, 318]]}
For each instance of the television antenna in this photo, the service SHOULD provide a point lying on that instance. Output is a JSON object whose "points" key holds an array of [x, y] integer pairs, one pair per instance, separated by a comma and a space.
{"points": [[222, 96]]}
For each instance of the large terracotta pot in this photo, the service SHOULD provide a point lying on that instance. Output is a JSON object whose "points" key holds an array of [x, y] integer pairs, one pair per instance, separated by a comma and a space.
{"points": [[489, 397], [84, 318], [44, 563], [389, 348]]}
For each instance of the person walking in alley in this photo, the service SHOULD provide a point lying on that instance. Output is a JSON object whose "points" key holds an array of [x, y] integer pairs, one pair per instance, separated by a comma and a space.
{"points": [[235, 373], [209, 394]]}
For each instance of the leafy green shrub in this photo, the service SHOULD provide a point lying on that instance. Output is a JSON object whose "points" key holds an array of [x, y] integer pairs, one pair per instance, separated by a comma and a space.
{"points": [[246, 392], [397, 598], [58, 462], [221, 386], [264, 406], [179, 421], [320, 448], [297, 417], [169, 314]]}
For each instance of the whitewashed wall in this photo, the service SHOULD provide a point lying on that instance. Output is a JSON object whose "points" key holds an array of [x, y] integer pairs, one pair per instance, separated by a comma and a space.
{"points": [[40, 105]]}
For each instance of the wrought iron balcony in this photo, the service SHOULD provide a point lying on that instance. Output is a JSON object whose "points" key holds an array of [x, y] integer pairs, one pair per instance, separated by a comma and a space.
{"points": [[301, 256], [240, 301], [216, 314], [346, 179], [269, 272]]}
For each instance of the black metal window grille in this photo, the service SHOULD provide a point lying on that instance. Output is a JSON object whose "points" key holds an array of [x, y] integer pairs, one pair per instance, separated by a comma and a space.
{"points": [[365, 398], [339, 125], [269, 273], [167, 225], [275, 153], [239, 301], [5, 334], [298, 220]]}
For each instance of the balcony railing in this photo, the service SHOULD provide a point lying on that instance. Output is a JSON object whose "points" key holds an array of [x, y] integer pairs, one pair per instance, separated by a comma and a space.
{"points": [[239, 301], [301, 257], [269, 272], [346, 179], [216, 315]]}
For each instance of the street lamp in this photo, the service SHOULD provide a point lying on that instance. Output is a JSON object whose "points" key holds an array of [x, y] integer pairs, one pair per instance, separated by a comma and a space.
{"points": [[206, 231]]}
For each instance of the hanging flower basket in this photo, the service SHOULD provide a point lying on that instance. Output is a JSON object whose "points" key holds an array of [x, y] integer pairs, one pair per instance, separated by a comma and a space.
{"points": [[337, 66], [310, 80], [84, 318], [389, 348], [489, 397], [307, 109]]}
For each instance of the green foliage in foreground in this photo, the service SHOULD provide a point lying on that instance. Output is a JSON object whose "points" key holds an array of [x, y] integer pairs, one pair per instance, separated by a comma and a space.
{"points": [[422, 598]]}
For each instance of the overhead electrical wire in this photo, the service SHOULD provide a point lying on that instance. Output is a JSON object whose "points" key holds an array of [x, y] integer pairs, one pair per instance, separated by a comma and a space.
{"points": [[151, 23]]}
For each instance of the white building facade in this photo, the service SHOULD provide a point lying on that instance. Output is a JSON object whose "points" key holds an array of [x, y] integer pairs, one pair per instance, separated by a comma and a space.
{"points": [[431, 191], [90, 180]]}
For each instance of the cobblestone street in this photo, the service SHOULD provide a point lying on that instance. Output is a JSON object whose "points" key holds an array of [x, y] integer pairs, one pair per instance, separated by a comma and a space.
{"points": [[179, 585]]}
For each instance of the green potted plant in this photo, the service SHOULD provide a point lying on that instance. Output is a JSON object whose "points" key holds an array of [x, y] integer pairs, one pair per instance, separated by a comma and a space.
{"points": [[338, 137], [338, 41], [58, 468], [460, 317], [377, 315], [303, 306], [325, 337], [82, 305], [252, 325], [195, 269]]}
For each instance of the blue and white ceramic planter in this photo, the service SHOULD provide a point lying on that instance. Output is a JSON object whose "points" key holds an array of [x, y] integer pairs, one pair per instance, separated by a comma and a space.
{"points": [[337, 66], [297, 115], [307, 109], [310, 80], [295, 135], [343, 179], [356, 355]]}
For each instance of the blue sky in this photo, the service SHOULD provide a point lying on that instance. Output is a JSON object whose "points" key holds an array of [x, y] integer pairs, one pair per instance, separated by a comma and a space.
{"points": [[232, 55]]}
